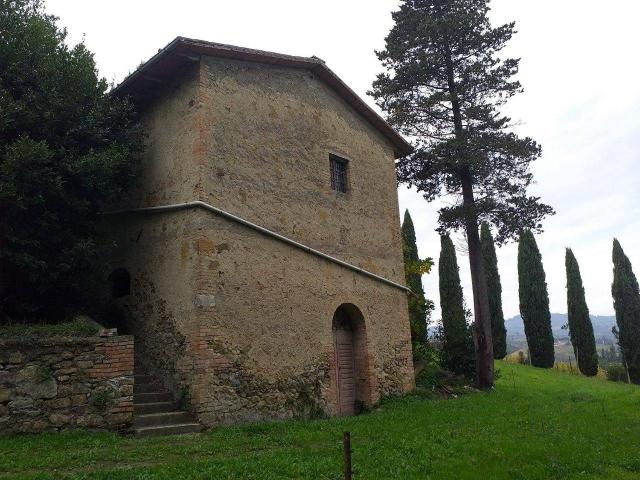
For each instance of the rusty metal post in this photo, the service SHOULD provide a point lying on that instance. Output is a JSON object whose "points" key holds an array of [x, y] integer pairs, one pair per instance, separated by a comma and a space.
{"points": [[346, 444]]}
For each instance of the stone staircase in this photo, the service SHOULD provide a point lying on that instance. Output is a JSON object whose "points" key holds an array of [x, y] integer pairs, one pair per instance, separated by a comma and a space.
{"points": [[155, 411]]}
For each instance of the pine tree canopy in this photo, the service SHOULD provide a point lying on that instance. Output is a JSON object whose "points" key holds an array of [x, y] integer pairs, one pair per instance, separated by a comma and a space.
{"points": [[626, 303], [66, 149], [494, 290], [444, 86], [414, 267], [580, 327], [534, 302], [457, 344]]}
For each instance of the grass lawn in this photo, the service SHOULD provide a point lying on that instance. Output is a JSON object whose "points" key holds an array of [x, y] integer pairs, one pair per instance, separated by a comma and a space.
{"points": [[535, 424]]}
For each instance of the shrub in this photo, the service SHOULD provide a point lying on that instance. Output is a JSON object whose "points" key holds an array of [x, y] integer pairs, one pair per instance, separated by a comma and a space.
{"points": [[101, 400], [616, 372], [67, 149], [522, 358], [77, 327], [567, 367], [436, 381]]}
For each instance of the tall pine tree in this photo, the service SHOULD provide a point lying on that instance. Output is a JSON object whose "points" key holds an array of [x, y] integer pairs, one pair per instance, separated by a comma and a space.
{"points": [[414, 268], [457, 345], [626, 302], [494, 290], [534, 302], [580, 327], [444, 86]]}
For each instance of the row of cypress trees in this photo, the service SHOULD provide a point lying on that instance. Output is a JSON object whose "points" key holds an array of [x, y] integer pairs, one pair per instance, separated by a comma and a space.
{"points": [[456, 335], [534, 308], [535, 313]]}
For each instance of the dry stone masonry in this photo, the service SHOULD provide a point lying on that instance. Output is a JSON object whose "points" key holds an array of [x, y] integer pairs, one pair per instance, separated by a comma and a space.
{"points": [[59, 383]]}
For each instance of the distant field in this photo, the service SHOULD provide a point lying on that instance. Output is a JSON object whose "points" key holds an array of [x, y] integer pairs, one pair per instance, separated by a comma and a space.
{"points": [[562, 349], [536, 424]]}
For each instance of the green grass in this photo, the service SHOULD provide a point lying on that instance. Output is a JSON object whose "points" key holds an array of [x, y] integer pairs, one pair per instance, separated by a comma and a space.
{"points": [[73, 328], [536, 424]]}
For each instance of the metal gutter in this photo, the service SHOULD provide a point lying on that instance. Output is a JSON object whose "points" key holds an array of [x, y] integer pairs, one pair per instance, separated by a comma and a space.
{"points": [[265, 231]]}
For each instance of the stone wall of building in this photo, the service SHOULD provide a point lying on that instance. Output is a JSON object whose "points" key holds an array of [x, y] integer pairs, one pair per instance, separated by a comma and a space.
{"points": [[154, 249], [267, 133], [264, 348], [60, 383]]}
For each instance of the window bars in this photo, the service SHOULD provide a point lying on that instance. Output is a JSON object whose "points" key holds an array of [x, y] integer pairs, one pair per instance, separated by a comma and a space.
{"points": [[338, 173]]}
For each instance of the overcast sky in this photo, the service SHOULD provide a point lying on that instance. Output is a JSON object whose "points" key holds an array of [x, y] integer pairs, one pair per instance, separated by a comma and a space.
{"points": [[580, 72]]}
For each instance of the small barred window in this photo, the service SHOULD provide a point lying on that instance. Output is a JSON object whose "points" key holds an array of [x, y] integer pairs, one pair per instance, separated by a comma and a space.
{"points": [[338, 173]]}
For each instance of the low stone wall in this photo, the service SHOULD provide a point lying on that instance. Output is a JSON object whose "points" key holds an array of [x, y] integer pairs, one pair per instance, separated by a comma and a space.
{"points": [[59, 383]]}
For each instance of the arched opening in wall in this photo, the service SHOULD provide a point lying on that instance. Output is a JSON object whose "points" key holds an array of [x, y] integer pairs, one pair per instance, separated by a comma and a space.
{"points": [[120, 283], [351, 372], [113, 314]]}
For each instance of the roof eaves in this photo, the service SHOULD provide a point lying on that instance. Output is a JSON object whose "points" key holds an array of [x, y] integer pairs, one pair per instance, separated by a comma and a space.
{"points": [[201, 47]]}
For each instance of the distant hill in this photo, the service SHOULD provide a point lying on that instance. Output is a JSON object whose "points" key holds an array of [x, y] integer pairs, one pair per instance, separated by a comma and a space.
{"points": [[601, 328], [516, 339]]}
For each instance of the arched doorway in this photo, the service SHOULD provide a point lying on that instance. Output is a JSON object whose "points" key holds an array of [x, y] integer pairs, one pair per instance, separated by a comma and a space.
{"points": [[351, 372]]}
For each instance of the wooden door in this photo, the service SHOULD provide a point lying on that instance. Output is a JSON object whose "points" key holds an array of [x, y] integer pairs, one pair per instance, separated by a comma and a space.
{"points": [[345, 371]]}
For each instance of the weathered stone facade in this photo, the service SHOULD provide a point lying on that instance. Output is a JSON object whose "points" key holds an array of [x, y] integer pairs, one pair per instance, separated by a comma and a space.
{"points": [[60, 383], [236, 322]]}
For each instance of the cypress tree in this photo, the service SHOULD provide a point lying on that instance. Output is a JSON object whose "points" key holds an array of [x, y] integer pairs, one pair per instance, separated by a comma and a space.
{"points": [[494, 290], [626, 302], [457, 345], [534, 302], [580, 327], [418, 307]]}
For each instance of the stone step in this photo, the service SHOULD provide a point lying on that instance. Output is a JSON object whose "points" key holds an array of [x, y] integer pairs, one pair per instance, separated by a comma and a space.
{"points": [[153, 407], [152, 397], [177, 429], [162, 419], [148, 387], [144, 378]]}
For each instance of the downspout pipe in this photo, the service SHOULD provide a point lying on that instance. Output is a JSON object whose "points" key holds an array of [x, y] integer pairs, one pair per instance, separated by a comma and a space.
{"points": [[265, 231]]}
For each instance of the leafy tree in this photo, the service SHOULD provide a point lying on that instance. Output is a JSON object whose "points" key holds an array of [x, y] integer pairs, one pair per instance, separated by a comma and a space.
{"points": [[419, 307], [494, 289], [580, 327], [626, 303], [444, 87], [66, 149], [534, 302], [457, 344]]}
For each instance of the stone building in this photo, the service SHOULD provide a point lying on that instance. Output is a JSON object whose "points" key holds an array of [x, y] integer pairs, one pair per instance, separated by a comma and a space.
{"points": [[260, 263]]}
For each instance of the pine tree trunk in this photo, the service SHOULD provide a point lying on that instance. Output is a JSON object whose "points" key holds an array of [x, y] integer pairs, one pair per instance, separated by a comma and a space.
{"points": [[482, 317]]}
